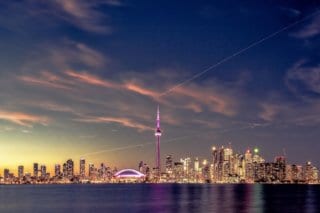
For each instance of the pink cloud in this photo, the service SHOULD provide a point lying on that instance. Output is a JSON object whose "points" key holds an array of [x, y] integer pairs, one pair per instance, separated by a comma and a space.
{"points": [[46, 79], [22, 119], [140, 90], [92, 79], [269, 111], [209, 97]]}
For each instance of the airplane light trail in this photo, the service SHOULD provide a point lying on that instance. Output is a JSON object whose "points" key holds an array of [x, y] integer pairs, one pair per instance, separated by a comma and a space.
{"points": [[239, 52], [176, 139]]}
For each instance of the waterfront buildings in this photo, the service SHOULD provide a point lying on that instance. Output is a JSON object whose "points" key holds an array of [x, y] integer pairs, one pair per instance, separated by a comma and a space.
{"points": [[225, 166]]}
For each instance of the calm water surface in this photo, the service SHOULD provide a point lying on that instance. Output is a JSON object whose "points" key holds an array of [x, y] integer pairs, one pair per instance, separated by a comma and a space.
{"points": [[159, 198]]}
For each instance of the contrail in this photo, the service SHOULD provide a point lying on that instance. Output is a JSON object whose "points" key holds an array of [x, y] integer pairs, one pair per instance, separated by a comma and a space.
{"points": [[239, 52], [176, 139], [131, 146]]}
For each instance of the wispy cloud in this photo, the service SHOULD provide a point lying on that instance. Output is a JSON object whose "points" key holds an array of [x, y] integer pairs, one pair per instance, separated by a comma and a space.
{"points": [[83, 14], [269, 111], [131, 86], [23, 119], [310, 30], [210, 98], [303, 79], [92, 79], [68, 52], [46, 79]]}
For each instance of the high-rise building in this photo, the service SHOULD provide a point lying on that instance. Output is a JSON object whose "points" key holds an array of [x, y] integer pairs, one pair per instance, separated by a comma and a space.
{"points": [[186, 167], [20, 171], [57, 170], [102, 171], [169, 164], [6, 174], [91, 170], [215, 164], [43, 170], [82, 168], [70, 168], [311, 173], [206, 171], [158, 135], [140, 167], [64, 170], [35, 170], [280, 168], [249, 168], [178, 171], [196, 165]]}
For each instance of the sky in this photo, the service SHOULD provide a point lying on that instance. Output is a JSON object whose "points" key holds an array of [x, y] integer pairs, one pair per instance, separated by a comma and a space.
{"points": [[84, 78]]}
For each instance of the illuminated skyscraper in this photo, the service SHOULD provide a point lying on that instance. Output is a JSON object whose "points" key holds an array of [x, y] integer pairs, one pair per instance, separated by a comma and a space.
{"points": [[20, 172], [82, 167], [91, 170], [65, 170], [196, 165], [186, 167], [6, 174], [169, 164], [280, 168], [35, 170], [70, 168], [102, 171], [57, 170], [43, 170], [249, 173], [158, 135]]}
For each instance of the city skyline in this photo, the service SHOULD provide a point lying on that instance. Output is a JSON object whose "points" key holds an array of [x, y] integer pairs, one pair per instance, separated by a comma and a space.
{"points": [[225, 165], [83, 79]]}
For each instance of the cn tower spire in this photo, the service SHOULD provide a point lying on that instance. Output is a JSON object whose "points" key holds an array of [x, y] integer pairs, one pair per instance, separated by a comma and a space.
{"points": [[158, 135], [158, 118]]}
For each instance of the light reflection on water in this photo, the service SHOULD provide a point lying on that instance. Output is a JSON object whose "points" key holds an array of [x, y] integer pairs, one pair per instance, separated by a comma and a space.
{"points": [[160, 198]]}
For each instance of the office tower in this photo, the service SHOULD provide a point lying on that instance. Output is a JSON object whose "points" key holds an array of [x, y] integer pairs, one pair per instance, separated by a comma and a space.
{"points": [[82, 168], [91, 170], [239, 166], [249, 173], [140, 167], [169, 164], [70, 168], [35, 170], [226, 165], [102, 171], [65, 170], [280, 168], [6, 174], [215, 164], [206, 171], [186, 167], [196, 165], [178, 171], [43, 170], [57, 170], [158, 135], [311, 173], [296, 173], [20, 172]]}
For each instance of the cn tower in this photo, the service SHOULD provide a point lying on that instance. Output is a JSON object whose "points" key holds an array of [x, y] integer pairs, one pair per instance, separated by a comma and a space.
{"points": [[158, 135]]}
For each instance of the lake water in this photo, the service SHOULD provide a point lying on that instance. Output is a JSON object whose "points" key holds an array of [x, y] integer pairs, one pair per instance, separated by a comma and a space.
{"points": [[159, 198]]}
